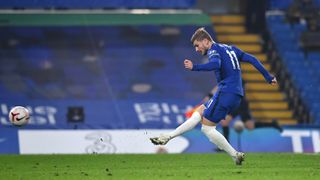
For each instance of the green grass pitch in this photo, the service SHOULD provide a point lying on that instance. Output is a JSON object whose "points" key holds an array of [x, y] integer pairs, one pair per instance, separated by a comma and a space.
{"points": [[160, 166]]}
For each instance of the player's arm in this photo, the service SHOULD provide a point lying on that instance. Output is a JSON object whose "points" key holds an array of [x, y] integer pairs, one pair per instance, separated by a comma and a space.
{"points": [[257, 64], [214, 63], [246, 57]]}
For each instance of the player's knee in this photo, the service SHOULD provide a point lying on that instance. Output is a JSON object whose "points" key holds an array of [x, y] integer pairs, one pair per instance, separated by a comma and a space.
{"points": [[206, 129]]}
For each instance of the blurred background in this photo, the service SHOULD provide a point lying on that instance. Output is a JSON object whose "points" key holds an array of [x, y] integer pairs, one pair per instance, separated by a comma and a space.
{"points": [[102, 76]]}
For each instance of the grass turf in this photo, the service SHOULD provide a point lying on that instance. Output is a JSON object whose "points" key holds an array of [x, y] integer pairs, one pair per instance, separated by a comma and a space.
{"points": [[160, 166]]}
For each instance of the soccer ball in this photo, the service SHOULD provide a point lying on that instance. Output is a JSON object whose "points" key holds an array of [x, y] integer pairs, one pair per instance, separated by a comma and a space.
{"points": [[238, 126], [19, 116]]}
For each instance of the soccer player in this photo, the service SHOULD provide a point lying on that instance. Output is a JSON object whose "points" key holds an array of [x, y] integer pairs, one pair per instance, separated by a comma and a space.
{"points": [[224, 61]]}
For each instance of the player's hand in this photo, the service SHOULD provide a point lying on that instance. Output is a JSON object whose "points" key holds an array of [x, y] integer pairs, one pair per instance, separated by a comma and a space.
{"points": [[274, 81], [188, 64]]}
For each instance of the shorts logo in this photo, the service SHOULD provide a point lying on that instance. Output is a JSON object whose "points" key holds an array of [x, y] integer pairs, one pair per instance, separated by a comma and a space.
{"points": [[210, 102]]}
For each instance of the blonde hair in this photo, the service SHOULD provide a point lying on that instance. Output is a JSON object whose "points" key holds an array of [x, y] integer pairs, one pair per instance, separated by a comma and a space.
{"points": [[201, 34]]}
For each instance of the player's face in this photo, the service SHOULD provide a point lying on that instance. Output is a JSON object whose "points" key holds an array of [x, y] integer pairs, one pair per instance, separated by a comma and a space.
{"points": [[201, 46]]}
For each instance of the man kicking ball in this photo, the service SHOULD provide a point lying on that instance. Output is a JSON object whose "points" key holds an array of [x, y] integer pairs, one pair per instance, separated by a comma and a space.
{"points": [[224, 61]]}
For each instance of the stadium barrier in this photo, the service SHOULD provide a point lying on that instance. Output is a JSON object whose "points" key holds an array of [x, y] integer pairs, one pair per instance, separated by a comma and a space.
{"points": [[132, 141]]}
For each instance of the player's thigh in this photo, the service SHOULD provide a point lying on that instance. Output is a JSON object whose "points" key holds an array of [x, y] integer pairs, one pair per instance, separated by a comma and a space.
{"points": [[231, 101], [214, 112], [222, 105]]}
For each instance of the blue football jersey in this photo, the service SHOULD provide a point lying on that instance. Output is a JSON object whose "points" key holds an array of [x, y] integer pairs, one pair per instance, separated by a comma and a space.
{"points": [[229, 74], [225, 60]]}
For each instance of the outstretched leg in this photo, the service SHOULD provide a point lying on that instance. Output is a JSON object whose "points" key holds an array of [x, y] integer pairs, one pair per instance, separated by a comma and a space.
{"points": [[184, 127]]}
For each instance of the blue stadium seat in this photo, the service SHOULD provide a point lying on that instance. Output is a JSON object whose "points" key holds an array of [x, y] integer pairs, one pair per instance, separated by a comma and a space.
{"points": [[279, 5], [155, 63], [303, 69], [63, 66]]}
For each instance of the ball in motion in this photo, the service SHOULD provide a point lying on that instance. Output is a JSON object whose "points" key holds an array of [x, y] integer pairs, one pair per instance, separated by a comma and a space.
{"points": [[238, 126], [19, 116]]}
